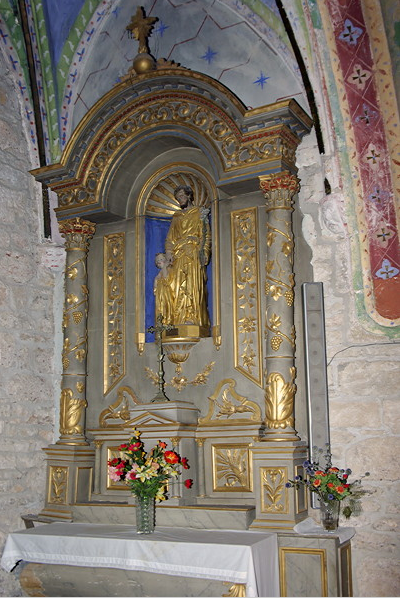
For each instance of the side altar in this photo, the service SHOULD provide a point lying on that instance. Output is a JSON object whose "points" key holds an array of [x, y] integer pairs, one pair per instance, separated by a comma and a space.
{"points": [[175, 199]]}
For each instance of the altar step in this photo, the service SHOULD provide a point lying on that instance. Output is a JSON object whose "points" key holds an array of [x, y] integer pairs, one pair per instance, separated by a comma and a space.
{"points": [[195, 516]]}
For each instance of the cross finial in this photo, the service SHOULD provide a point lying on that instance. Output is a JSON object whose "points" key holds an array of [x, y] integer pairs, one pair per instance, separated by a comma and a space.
{"points": [[158, 329], [140, 28]]}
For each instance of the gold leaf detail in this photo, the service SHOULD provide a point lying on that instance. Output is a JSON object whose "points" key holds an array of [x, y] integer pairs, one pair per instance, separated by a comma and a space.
{"points": [[289, 296], [77, 316], [72, 273], [71, 298], [276, 292], [273, 486], [276, 342], [279, 398], [237, 590]]}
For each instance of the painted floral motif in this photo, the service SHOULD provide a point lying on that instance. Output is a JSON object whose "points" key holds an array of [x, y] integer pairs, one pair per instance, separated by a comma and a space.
{"points": [[350, 33], [387, 270], [359, 77]]}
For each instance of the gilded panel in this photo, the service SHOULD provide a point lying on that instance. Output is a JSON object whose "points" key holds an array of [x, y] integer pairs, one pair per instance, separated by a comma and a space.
{"points": [[305, 559], [246, 294], [58, 485], [114, 310], [274, 496], [231, 468]]}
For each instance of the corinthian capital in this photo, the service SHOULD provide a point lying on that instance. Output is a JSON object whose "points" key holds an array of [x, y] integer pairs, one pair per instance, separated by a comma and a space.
{"points": [[279, 189], [77, 233]]}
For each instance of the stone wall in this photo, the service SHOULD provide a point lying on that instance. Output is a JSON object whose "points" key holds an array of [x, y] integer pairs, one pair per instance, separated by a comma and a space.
{"points": [[30, 274], [364, 387]]}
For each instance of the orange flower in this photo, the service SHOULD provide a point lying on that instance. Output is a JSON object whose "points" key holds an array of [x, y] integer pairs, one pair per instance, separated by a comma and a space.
{"points": [[330, 485], [162, 445], [321, 473], [317, 483], [333, 469], [171, 457], [340, 489]]}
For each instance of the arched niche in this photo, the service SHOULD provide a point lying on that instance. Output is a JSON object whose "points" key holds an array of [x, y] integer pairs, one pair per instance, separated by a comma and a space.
{"points": [[129, 143]]}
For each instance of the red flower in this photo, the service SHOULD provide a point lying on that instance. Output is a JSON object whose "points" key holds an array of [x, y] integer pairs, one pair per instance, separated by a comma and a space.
{"points": [[185, 463], [333, 469], [171, 457], [135, 446], [330, 485], [162, 445], [113, 462], [345, 476], [340, 489], [188, 483], [317, 483], [122, 447]]}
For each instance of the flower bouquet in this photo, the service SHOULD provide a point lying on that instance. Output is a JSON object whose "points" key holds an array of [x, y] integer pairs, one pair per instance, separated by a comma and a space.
{"points": [[147, 474], [332, 486]]}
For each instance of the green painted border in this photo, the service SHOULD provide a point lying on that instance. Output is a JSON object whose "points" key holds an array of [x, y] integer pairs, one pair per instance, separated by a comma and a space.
{"points": [[16, 36], [49, 91]]}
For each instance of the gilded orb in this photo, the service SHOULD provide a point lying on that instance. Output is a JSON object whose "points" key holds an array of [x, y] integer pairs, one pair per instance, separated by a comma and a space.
{"points": [[143, 63]]}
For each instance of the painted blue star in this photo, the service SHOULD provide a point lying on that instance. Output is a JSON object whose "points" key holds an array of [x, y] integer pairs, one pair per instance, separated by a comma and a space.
{"points": [[261, 80], [161, 28], [209, 55]]}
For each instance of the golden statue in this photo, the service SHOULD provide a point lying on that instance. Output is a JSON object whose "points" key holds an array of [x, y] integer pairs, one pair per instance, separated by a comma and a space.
{"points": [[162, 289], [187, 253]]}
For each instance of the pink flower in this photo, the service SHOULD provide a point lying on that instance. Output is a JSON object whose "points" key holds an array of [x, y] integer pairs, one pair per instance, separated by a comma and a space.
{"points": [[114, 474]]}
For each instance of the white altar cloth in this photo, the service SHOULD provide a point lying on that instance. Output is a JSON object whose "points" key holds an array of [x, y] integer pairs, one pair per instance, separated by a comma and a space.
{"points": [[244, 557]]}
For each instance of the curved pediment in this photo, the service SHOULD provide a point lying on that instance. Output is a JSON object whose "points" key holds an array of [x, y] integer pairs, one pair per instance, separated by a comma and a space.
{"points": [[165, 110]]}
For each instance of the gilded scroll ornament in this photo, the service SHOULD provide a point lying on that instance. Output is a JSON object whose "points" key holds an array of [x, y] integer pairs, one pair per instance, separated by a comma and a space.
{"points": [[120, 409], [114, 310], [279, 399], [226, 403], [71, 410], [231, 468], [273, 481], [246, 300], [236, 590], [58, 482]]}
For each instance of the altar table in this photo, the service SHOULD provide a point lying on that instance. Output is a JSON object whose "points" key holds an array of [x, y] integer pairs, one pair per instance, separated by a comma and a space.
{"points": [[239, 557]]}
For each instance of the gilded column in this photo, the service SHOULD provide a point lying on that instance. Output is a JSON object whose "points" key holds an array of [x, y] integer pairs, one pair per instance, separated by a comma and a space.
{"points": [[73, 402], [279, 190]]}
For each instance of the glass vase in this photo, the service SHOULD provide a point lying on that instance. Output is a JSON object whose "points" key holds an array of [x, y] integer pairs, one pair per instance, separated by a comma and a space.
{"points": [[330, 514], [145, 514]]}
